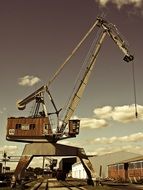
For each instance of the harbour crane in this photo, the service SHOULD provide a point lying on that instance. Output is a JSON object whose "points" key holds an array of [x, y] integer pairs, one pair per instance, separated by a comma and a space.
{"points": [[38, 126]]}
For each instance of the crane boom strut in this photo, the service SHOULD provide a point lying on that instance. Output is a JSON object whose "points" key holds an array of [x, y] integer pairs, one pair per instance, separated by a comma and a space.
{"points": [[78, 94]]}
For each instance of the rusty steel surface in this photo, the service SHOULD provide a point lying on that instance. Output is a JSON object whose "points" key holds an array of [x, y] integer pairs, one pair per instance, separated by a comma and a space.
{"points": [[133, 173], [22, 127], [51, 149]]}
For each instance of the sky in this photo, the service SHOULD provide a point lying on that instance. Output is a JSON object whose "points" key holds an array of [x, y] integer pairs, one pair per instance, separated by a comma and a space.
{"points": [[38, 36]]}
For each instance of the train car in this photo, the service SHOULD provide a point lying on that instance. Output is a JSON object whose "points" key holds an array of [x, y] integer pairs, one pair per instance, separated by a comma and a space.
{"points": [[28, 128], [113, 171], [135, 170], [131, 171]]}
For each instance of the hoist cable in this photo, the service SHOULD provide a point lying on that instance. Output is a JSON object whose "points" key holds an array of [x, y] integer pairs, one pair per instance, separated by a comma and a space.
{"points": [[73, 52], [134, 89], [84, 64]]}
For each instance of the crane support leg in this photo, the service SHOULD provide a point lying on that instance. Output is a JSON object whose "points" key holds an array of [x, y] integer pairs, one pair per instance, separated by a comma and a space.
{"points": [[87, 166], [51, 149], [20, 169]]}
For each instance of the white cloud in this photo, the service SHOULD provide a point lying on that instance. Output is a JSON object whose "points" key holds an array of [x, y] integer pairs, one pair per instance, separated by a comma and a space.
{"points": [[28, 80], [8, 149], [71, 143], [36, 162], [120, 3], [122, 114], [111, 149], [104, 112], [93, 123], [130, 138]]}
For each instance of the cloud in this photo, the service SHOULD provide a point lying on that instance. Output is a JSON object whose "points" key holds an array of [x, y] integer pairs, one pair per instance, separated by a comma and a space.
{"points": [[123, 114], [3, 110], [130, 138], [68, 143], [28, 80], [104, 112], [8, 149], [93, 123], [120, 3], [36, 162], [111, 149]]}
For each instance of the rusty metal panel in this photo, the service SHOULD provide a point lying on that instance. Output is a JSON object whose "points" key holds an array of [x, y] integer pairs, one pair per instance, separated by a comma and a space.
{"points": [[22, 165], [131, 173], [23, 127], [113, 171], [137, 172], [141, 172], [121, 174]]}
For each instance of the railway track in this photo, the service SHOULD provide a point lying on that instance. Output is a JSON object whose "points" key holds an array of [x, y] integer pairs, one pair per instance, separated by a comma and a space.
{"points": [[53, 184]]}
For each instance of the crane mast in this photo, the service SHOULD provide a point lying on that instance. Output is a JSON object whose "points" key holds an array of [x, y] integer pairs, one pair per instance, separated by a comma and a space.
{"points": [[107, 28]]}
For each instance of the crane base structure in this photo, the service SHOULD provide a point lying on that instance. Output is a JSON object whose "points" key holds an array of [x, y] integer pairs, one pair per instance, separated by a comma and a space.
{"points": [[51, 149]]}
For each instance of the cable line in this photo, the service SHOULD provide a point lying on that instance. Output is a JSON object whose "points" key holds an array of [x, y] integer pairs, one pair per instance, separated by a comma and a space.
{"points": [[134, 89], [73, 52]]}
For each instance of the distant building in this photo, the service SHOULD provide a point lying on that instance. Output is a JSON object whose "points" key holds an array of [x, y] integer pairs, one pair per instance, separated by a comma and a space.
{"points": [[78, 171], [127, 170], [101, 163], [6, 169]]}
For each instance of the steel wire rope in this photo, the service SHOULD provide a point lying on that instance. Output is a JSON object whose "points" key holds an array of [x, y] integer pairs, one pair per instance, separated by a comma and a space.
{"points": [[73, 52], [134, 89], [85, 62]]}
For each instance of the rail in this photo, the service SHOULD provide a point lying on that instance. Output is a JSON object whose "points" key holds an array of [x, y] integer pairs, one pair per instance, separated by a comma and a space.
{"points": [[51, 184]]}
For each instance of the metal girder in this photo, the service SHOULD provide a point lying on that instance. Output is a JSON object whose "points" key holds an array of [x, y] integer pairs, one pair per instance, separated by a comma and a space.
{"points": [[51, 149]]}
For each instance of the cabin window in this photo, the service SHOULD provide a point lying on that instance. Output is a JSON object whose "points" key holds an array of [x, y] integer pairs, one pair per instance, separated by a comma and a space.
{"points": [[32, 126], [25, 127], [142, 164], [121, 166], [138, 165], [46, 127], [131, 166], [115, 167], [18, 126]]}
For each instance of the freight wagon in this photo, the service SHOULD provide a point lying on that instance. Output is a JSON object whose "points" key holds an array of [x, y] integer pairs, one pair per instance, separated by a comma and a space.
{"points": [[129, 171]]}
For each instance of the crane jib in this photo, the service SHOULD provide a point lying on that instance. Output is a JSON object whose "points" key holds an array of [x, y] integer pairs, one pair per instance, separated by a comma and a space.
{"points": [[106, 28], [78, 94]]}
